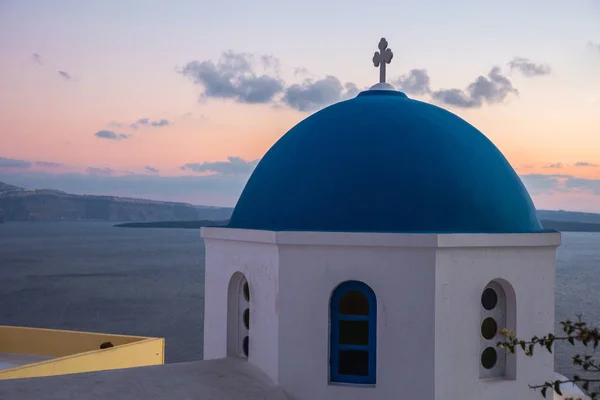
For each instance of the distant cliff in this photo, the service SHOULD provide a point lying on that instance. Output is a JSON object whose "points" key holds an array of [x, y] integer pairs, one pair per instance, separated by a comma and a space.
{"points": [[551, 225], [175, 224], [18, 204]]}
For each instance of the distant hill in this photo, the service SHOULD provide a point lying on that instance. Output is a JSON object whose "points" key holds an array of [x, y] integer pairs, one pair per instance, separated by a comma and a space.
{"points": [[551, 225], [5, 187], [570, 226], [568, 216], [174, 224], [19, 204]]}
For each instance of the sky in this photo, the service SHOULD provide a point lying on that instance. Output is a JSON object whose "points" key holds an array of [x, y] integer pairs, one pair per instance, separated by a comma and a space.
{"points": [[178, 100]]}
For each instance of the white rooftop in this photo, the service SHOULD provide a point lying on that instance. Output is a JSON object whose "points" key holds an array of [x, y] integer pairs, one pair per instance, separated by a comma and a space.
{"points": [[224, 379]]}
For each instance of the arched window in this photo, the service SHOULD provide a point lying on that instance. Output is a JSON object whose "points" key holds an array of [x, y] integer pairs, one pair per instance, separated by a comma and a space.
{"points": [[353, 313], [497, 312], [244, 318], [238, 316]]}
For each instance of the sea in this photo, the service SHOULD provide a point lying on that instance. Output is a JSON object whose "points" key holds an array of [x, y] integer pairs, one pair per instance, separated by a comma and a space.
{"points": [[92, 276]]}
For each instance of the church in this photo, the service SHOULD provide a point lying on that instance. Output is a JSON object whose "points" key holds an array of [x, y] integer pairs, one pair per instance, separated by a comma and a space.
{"points": [[375, 253]]}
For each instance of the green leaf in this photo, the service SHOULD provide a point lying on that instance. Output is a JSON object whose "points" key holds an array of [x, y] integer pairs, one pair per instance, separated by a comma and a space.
{"points": [[557, 388]]}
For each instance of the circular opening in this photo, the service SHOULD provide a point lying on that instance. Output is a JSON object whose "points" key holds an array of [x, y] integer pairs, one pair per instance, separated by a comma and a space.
{"points": [[489, 358], [246, 290], [489, 328], [489, 298], [245, 346], [247, 318]]}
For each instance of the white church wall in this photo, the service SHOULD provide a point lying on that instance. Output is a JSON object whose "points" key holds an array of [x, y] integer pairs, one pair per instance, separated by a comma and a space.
{"points": [[403, 282], [428, 290], [525, 262], [258, 262]]}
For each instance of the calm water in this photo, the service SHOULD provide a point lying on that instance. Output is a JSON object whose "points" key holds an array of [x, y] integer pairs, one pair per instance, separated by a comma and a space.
{"points": [[92, 276]]}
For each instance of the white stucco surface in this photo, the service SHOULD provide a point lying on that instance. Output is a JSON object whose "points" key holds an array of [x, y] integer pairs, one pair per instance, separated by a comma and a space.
{"points": [[258, 262], [428, 289], [227, 379], [461, 275]]}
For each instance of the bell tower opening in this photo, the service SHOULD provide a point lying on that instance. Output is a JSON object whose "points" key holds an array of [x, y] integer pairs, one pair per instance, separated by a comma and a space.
{"points": [[238, 318], [498, 309]]}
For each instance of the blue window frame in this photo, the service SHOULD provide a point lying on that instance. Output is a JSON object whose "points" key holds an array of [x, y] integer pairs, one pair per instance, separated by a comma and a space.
{"points": [[353, 334]]}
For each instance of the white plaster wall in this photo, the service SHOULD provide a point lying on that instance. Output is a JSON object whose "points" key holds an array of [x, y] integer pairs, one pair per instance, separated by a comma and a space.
{"points": [[461, 276], [259, 263], [428, 290], [403, 281]]}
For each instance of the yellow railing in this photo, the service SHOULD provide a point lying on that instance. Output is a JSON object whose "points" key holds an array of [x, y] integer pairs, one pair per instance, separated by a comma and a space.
{"points": [[75, 352]]}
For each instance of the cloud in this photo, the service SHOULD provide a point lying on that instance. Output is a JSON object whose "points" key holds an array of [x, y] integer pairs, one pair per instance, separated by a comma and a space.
{"points": [[455, 97], [233, 166], [104, 134], [302, 71], [585, 164], [48, 164], [554, 165], [416, 82], [559, 183], [234, 77], [537, 184], [13, 163], [528, 68], [591, 186], [491, 90], [37, 59], [99, 171], [270, 62], [144, 122], [162, 122], [65, 75], [311, 95], [595, 46], [151, 169], [141, 121]]}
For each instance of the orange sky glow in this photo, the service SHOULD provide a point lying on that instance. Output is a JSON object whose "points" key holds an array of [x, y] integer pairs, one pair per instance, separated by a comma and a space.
{"points": [[60, 89]]}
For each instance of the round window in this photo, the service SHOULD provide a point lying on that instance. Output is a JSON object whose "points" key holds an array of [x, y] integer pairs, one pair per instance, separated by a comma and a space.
{"points": [[489, 299], [246, 290], [489, 328], [247, 318], [489, 357], [245, 346]]}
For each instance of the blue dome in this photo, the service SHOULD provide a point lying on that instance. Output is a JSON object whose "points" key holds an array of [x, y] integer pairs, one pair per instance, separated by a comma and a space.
{"points": [[382, 162]]}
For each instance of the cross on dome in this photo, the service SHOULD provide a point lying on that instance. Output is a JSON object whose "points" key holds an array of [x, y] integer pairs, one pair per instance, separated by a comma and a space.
{"points": [[382, 57]]}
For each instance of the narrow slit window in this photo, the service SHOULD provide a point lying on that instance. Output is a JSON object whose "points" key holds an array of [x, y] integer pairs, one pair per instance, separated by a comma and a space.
{"points": [[353, 312], [492, 363]]}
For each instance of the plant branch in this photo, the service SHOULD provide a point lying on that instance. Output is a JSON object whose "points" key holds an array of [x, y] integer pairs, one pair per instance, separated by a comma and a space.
{"points": [[574, 332]]}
